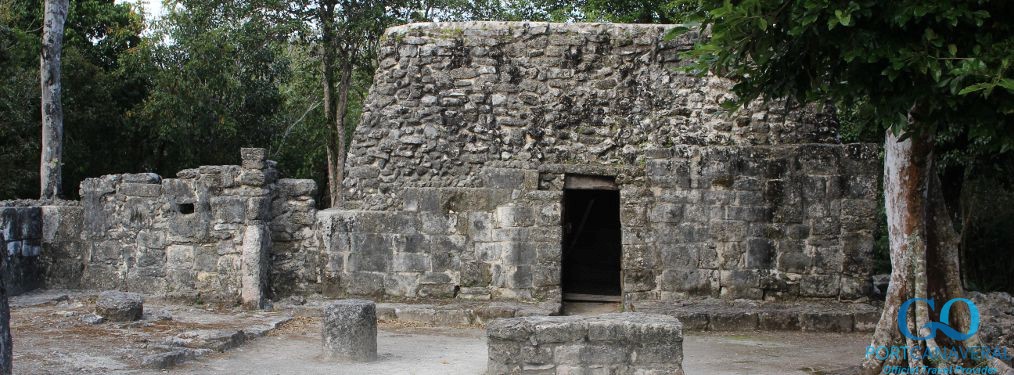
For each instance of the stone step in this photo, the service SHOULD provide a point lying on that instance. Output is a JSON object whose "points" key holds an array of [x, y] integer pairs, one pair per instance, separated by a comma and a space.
{"points": [[752, 316], [198, 343]]}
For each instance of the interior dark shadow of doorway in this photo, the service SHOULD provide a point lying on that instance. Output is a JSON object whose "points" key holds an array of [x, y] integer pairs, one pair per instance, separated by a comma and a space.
{"points": [[592, 251]]}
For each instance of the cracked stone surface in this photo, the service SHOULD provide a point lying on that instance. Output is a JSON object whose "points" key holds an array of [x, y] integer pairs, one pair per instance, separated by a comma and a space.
{"points": [[56, 332]]}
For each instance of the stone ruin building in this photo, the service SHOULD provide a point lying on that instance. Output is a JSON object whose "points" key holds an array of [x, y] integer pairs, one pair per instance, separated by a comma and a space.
{"points": [[524, 162]]}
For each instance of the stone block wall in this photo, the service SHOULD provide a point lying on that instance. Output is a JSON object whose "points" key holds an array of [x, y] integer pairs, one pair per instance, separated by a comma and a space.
{"points": [[225, 234], [450, 100], [455, 175], [754, 222], [42, 243], [295, 262], [201, 236], [469, 243]]}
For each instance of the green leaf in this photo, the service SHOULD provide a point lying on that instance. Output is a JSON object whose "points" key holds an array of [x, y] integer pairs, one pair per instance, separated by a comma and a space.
{"points": [[842, 17], [682, 28], [974, 88], [1007, 83]]}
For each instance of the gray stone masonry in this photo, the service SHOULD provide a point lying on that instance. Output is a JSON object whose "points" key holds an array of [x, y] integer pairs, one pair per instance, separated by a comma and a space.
{"points": [[205, 235], [349, 331], [455, 180], [455, 175], [619, 343], [21, 243], [117, 306], [712, 314], [295, 251]]}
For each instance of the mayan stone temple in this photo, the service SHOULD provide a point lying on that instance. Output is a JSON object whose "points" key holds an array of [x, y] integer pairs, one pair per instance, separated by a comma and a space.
{"points": [[502, 175]]}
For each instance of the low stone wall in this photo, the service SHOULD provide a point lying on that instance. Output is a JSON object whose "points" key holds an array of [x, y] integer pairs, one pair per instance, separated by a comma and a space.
{"points": [[206, 235], [202, 236], [621, 343]]}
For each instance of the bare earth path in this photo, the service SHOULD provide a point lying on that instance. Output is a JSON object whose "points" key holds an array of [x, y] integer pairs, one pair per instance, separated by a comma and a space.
{"points": [[294, 349]]}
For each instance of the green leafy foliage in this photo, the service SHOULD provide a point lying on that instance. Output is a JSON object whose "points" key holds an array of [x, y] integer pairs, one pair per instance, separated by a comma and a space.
{"points": [[97, 92], [214, 80], [948, 60]]}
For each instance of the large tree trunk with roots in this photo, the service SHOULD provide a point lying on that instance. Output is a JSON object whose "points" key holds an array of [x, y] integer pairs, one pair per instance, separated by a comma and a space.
{"points": [[50, 167], [924, 255], [6, 342]]}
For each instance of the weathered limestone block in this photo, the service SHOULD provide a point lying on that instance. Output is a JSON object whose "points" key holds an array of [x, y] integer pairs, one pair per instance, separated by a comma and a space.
{"points": [[256, 244], [253, 158], [119, 306], [350, 330], [297, 187], [620, 343]]}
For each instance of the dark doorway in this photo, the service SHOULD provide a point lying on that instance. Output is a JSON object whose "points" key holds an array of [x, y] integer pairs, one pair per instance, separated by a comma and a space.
{"points": [[591, 242]]}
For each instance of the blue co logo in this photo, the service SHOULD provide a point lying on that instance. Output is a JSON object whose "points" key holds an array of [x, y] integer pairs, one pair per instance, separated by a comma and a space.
{"points": [[944, 324]]}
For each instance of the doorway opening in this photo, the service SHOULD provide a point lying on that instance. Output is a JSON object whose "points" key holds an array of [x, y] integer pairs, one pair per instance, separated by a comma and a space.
{"points": [[592, 252]]}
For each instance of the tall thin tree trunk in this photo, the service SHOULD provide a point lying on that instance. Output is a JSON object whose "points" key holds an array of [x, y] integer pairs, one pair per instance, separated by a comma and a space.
{"points": [[326, 15], [344, 86], [924, 252], [50, 174]]}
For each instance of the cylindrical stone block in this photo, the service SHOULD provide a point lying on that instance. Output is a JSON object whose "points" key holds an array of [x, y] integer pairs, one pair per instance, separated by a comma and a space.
{"points": [[350, 331]]}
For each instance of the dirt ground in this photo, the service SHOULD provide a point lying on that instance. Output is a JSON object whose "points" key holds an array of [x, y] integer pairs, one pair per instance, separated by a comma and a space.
{"points": [[51, 338], [295, 349]]}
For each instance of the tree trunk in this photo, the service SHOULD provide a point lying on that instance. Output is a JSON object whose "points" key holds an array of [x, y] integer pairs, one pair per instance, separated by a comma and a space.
{"points": [[924, 253], [344, 86], [52, 109], [326, 15], [6, 342]]}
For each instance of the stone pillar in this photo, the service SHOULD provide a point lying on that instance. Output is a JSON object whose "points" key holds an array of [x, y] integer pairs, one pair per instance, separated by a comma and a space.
{"points": [[349, 331], [255, 240], [256, 178]]}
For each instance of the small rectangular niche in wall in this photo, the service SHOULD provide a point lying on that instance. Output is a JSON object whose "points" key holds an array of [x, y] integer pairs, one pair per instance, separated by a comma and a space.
{"points": [[185, 208], [589, 182]]}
